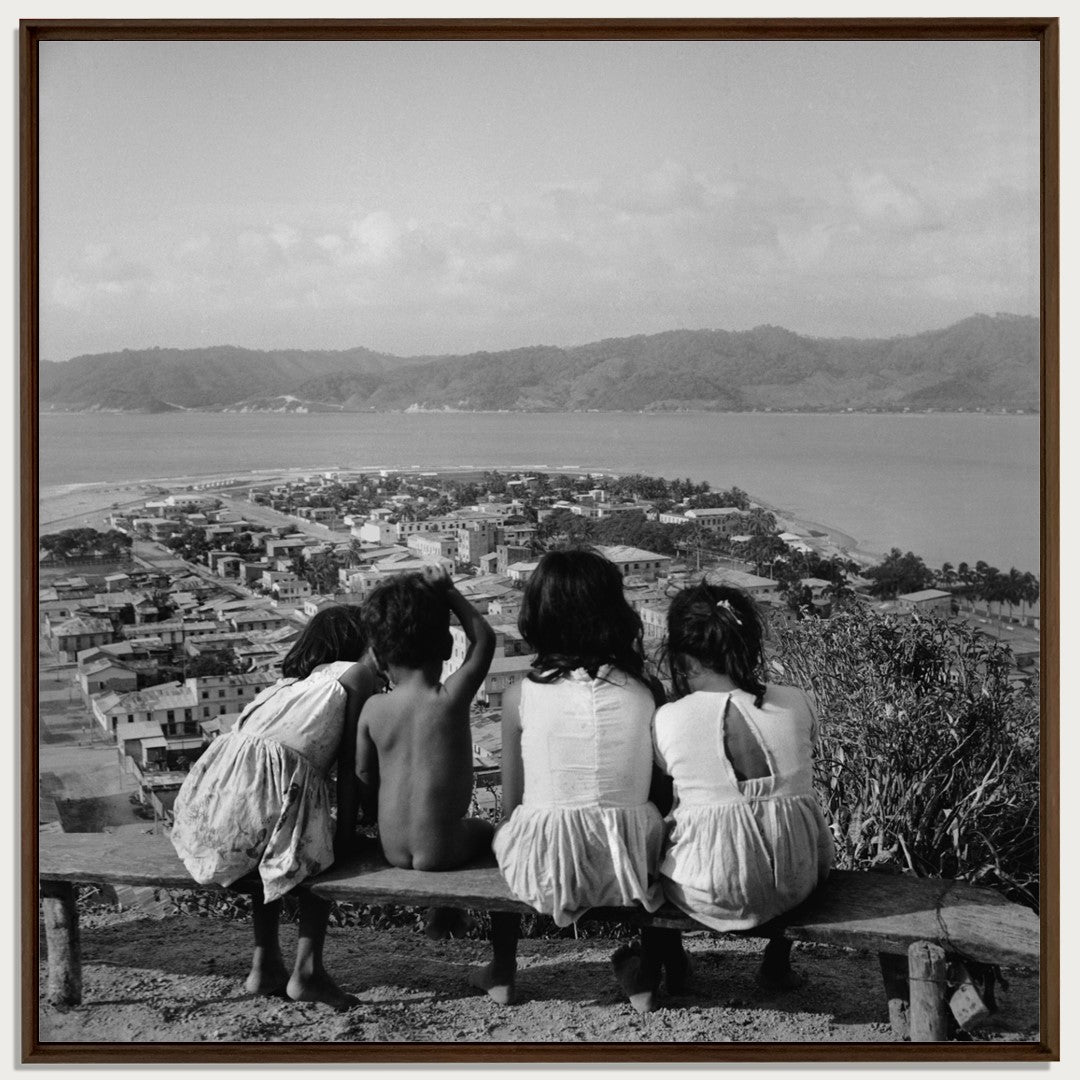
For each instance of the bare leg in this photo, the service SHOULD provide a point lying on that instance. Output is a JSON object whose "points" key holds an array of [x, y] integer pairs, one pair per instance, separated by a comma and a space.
{"points": [[441, 923], [497, 978], [310, 980], [268, 975], [470, 838], [640, 981], [461, 842], [663, 949], [775, 972]]}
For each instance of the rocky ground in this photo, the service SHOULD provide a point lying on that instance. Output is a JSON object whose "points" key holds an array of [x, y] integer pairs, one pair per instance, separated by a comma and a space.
{"points": [[178, 978]]}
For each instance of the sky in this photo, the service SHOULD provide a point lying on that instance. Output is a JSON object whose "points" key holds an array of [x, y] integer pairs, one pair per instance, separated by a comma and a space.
{"points": [[435, 197]]}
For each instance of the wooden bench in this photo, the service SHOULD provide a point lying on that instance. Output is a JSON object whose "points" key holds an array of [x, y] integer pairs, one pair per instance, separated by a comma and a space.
{"points": [[912, 923]]}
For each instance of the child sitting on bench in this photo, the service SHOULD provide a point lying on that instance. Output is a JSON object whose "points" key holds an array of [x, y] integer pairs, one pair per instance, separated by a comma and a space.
{"points": [[748, 839], [259, 798], [414, 745]]}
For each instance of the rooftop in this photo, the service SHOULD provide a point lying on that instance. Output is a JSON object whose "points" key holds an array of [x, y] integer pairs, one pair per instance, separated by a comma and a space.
{"points": [[925, 594], [164, 696], [94, 667], [739, 579], [502, 665], [82, 625], [259, 615], [624, 553]]}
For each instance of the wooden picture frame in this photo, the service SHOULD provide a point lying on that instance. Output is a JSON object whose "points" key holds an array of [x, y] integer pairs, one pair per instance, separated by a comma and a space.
{"points": [[34, 32]]}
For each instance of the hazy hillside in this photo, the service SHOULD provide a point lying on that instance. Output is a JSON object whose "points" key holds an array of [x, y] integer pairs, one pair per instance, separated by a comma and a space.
{"points": [[982, 362], [196, 378]]}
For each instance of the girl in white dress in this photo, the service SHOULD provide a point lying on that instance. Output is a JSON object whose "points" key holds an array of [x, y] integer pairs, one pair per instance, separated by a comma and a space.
{"points": [[579, 830], [259, 797], [748, 840]]}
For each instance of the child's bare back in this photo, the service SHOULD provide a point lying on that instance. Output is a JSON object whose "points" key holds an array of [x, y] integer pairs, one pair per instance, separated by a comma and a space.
{"points": [[414, 745], [423, 742]]}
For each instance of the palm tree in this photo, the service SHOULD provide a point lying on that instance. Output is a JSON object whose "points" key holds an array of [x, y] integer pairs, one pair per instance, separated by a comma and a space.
{"points": [[1013, 588], [1030, 589]]}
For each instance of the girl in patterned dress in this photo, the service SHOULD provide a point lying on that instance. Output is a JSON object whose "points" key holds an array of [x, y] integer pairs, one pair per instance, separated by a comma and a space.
{"points": [[259, 798]]}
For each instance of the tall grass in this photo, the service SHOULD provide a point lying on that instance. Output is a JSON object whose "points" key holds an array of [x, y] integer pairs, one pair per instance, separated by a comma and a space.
{"points": [[929, 749]]}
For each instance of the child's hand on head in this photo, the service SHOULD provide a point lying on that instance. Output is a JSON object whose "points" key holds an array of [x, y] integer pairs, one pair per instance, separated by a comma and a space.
{"points": [[437, 576]]}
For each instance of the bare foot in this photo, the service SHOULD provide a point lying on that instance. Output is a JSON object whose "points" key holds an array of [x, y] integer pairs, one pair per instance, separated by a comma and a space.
{"points": [[677, 972], [320, 987], [780, 980], [443, 923], [267, 979], [499, 984], [627, 964]]}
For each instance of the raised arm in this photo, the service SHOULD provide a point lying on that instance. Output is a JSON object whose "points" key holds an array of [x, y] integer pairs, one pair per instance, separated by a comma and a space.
{"points": [[463, 684]]}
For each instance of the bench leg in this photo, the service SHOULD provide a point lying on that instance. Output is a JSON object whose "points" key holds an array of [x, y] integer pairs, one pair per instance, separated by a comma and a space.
{"points": [[62, 943], [894, 973], [926, 985]]}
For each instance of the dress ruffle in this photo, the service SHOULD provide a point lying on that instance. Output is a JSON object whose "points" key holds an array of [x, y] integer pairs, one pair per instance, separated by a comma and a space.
{"points": [[565, 861], [736, 865], [250, 803]]}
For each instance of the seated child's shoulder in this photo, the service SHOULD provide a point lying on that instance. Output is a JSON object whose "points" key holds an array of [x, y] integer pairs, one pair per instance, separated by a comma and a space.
{"points": [[377, 705], [787, 697], [357, 677], [674, 711]]}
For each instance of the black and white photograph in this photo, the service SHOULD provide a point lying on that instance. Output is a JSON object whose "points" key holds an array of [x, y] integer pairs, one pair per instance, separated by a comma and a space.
{"points": [[537, 543]]}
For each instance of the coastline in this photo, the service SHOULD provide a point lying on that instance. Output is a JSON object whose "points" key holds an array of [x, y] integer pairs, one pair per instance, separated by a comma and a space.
{"points": [[826, 539], [62, 506]]}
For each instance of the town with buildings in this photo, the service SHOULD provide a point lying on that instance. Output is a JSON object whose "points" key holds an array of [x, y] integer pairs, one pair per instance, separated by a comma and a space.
{"points": [[157, 629]]}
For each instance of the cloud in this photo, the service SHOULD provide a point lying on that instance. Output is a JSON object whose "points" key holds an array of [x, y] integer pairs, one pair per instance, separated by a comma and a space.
{"points": [[376, 238], [99, 272], [662, 248], [667, 188]]}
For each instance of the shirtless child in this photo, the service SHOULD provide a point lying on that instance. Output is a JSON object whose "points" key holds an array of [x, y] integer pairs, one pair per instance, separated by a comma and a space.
{"points": [[414, 744]]}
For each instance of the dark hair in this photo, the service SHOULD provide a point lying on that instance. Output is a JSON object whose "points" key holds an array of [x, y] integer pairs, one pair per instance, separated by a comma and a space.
{"points": [[408, 621], [334, 633], [574, 614], [721, 627]]}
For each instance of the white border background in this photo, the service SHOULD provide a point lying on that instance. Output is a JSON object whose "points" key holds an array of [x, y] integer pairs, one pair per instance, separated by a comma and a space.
{"points": [[1070, 382]]}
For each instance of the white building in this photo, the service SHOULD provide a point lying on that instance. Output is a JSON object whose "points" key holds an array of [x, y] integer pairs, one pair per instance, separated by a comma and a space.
{"points": [[757, 587], [926, 602], [636, 562], [725, 520]]}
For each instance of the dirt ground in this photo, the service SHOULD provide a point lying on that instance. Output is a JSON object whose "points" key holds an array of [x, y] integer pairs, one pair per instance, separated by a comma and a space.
{"points": [[178, 978]]}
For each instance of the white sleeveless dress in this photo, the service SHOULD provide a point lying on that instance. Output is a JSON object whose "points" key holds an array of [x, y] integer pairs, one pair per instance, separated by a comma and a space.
{"points": [[741, 852], [259, 797], [585, 834]]}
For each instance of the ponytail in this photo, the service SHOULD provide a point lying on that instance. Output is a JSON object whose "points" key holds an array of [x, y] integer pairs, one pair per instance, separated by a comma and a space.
{"points": [[721, 627]]}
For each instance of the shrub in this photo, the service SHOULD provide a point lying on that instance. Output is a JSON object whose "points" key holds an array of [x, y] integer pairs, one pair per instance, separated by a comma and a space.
{"points": [[929, 750]]}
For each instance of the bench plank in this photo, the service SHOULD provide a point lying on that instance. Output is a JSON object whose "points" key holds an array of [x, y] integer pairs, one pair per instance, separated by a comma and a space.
{"points": [[880, 912]]}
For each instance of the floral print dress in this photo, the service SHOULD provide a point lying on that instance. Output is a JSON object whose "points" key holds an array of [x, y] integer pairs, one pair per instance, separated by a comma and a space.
{"points": [[259, 797]]}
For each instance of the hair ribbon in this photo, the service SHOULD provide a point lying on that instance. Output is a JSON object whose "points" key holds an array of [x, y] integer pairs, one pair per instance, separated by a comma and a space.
{"points": [[729, 611]]}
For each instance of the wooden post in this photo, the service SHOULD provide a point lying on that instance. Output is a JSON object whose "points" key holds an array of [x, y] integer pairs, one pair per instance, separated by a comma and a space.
{"points": [[894, 972], [62, 943], [926, 986]]}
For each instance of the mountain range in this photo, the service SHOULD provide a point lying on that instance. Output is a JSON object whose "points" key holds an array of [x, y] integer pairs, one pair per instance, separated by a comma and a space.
{"points": [[986, 362]]}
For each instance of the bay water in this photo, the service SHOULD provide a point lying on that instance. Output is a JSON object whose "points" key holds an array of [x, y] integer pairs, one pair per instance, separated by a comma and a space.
{"points": [[948, 486]]}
